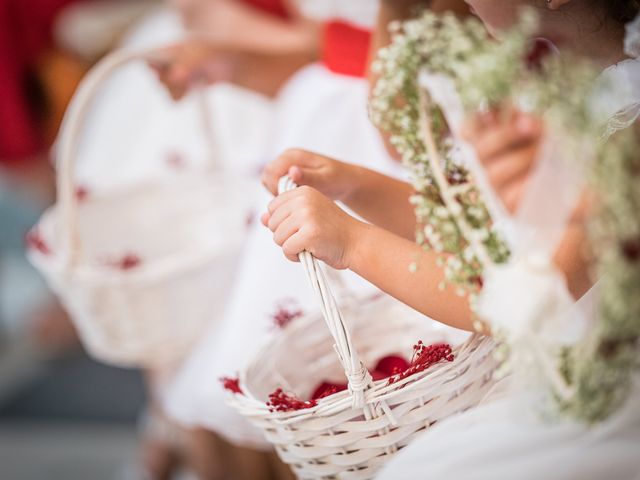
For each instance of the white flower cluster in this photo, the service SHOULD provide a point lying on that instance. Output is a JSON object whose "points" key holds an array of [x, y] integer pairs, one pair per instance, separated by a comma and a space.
{"points": [[498, 74]]}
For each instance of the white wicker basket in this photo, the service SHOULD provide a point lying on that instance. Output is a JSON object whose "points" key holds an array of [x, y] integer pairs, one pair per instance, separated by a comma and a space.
{"points": [[351, 434], [185, 232]]}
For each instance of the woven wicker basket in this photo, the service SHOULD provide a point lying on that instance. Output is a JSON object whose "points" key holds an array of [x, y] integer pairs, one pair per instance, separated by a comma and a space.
{"points": [[186, 233], [351, 434]]}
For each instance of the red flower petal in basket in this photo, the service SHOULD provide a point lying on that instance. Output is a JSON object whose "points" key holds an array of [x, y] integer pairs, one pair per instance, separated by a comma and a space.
{"points": [[425, 357], [285, 314], [327, 388], [375, 296], [127, 262], [176, 160], [82, 193], [391, 365], [35, 241], [279, 401], [231, 384]]}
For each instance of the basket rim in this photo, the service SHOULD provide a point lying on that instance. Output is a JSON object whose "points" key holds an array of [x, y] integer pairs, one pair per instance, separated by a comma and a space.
{"points": [[152, 270], [341, 401], [194, 174]]}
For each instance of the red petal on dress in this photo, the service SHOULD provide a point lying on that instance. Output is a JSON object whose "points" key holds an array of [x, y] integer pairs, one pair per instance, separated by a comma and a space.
{"points": [[128, 261], [35, 241]]}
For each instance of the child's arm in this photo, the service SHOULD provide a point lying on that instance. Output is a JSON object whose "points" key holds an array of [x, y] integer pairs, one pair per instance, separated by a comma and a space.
{"points": [[304, 219], [381, 200], [233, 42], [237, 27]]}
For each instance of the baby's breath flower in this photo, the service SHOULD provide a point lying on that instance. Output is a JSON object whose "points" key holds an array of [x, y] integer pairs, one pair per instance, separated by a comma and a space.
{"points": [[489, 73]]}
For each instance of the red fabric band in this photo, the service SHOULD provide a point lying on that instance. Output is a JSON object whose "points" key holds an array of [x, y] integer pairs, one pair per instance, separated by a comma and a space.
{"points": [[345, 48]]}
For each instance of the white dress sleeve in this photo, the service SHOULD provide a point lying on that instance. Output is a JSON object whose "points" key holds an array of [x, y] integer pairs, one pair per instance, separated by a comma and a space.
{"points": [[358, 12]]}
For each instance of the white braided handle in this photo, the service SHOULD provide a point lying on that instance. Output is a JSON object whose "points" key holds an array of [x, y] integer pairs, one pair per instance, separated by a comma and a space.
{"points": [[358, 376], [68, 140]]}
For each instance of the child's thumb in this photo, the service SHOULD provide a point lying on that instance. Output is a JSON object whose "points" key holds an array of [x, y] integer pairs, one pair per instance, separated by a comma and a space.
{"points": [[305, 176]]}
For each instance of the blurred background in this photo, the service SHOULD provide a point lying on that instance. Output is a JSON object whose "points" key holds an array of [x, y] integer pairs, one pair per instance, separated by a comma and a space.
{"points": [[62, 415]]}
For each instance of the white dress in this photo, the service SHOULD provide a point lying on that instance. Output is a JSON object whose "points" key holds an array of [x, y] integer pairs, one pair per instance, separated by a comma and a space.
{"points": [[320, 111], [509, 436]]}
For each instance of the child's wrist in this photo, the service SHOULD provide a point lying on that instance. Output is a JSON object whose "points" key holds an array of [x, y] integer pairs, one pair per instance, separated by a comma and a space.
{"points": [[354, 251], [352, 177]]}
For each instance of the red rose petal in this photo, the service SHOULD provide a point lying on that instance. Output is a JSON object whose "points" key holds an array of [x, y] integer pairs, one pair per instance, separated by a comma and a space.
{"points": [[326, 388], [391, 364]]}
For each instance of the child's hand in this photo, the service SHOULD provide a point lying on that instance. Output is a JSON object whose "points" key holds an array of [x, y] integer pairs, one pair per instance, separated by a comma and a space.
{"points": [[304, 219], [508, 148], [333, 178], [191, 64]]}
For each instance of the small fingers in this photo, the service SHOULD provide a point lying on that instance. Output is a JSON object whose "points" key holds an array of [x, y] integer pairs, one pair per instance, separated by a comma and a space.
{"points": [[277, 217], [281, 200], [477, 124], [294, 245], [283, 166], [513, 195], [293, 258], [285, 230], [510, 167], [296, 198], [491, 145]]}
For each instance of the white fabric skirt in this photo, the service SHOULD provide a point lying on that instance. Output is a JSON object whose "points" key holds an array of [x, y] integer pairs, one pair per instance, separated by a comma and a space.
{"points": [[506, 439]]}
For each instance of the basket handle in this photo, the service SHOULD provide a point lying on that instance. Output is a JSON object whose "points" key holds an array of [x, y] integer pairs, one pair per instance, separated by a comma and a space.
{"points": [[69, 137], [358, 377]]}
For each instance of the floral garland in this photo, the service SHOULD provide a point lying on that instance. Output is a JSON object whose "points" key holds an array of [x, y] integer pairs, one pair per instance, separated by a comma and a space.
{"points": [[488, 74]]}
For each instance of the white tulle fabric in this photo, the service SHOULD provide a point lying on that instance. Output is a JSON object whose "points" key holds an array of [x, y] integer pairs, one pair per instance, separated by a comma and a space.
{"points": [[623, 107], [528, 299]]}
